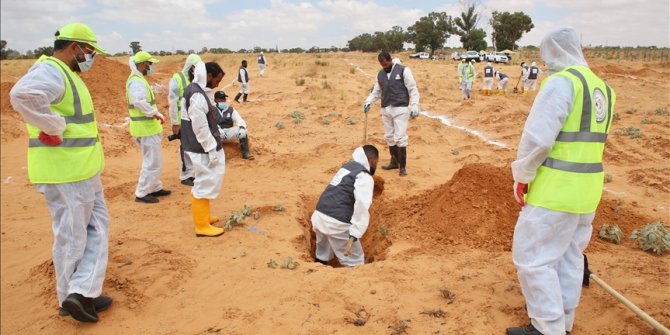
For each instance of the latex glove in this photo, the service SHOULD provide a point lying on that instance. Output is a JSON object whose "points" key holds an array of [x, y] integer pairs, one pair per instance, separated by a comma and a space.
{"points": [[50, 140], [241, 133], [213, 157], [158, 116], [350, 243], [414, 113], [520, 189], [366, 108]]}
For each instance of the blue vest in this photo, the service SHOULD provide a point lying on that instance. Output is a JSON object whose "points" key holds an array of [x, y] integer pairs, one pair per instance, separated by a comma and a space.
{"points": [[188, 140], [225, 118], [261, 59], [488, 72], [533, 72], [394, 92], [337, 201]]}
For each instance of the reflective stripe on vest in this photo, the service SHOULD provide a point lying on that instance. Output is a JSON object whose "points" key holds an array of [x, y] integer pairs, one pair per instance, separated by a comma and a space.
{"points": [[571, 178], [80, 155], [140, 124]]}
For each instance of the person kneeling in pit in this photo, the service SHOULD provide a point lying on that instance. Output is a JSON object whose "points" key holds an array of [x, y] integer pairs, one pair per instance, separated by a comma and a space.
{"points": [[225, 118], [341, 216]]}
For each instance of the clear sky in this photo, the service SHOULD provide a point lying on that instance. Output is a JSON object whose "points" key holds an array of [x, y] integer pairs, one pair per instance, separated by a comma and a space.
{"points": [[191, 24]]}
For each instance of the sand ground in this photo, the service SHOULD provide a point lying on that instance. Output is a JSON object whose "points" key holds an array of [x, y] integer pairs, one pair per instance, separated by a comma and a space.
{"points": [[439, 241]]}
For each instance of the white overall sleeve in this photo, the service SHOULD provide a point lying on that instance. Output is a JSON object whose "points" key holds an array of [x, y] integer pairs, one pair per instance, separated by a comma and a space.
{"points": [[138, 97], [173, 97], [198, 114], [239, 121], [363, 187], [550, 109], [374, 95], [33, 94], [410, 84]]}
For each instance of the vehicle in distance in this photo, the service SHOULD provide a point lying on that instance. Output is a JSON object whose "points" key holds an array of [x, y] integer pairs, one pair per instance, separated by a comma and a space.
{"points": [[420, 55], [497, 57], [472, 55]]}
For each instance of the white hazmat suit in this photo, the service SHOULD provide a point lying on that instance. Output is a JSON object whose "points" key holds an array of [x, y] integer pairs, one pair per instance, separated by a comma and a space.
{"points": [[150, 146], [548, 245], [332, 235]]}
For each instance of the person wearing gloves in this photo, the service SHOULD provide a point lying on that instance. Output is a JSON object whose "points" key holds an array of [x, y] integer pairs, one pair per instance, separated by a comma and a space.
{"points": [[145, 127], [400, 101], [65, 160], [243, 79], [524, 77], [533, 73], [341, 216], [202, 143], [176, 91], [466, 76], [261, 64], [502, 82], [488, 78], [558, 181], [227, 117]]}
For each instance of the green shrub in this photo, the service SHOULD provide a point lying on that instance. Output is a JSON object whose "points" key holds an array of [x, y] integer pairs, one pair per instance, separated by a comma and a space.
{"points": [[351, 120], [279, 125], [299, 82], [631, 132], [325, 120], [661, 111], [326, 84], [654, 236], [610, 233]]}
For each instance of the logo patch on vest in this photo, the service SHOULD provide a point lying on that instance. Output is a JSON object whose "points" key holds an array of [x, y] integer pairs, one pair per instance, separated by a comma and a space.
{"points": [[397, 77], [337, 179], [599, 105]]}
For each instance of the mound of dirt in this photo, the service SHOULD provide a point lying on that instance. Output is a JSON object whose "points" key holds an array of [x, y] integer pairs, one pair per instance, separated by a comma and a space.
{"points": [[106, 81], [12, 123]]}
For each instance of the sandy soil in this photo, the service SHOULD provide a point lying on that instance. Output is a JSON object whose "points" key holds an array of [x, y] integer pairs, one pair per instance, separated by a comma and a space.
{"points": [[438, 245]]}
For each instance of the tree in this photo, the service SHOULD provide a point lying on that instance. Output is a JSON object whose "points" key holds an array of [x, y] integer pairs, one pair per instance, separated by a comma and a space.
{"points": [[475, 40], [3, 52], [391, 41], [43, 51], [135, 47], [465, 25], [509, 28], [431, 31]]}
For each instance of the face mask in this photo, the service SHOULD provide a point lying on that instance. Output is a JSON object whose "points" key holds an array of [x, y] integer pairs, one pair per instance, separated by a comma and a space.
{"points": [[150, 70], [222, 105], [87, 63]]}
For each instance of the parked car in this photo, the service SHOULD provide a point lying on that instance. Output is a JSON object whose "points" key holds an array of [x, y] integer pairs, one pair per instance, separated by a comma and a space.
{"points": [[497, 57], [420, 55], [472, 55], [456, 55]]}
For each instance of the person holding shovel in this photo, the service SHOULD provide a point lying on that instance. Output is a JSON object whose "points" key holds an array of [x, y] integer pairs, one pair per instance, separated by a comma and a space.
{"points": [[400, 101], [558, 181], [341, 216]]}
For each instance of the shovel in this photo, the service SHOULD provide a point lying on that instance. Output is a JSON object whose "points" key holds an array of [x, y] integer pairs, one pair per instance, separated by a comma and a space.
{"points": [[588, 275], [516, 87], [365, 130]]}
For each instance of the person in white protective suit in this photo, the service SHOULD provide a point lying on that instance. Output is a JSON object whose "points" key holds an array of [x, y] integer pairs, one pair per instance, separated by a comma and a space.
{"points": [[488, 78], [558, 181], [145, 127], [262, 63], [202, 143], [400, 100], [231, 124], [178, 83], [503, 79], [466, 76], [533, 73], [65, 160], [341, 216], [243, 80], [524, 77]]}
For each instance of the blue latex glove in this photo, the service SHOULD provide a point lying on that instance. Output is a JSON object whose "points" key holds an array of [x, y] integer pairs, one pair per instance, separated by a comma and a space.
{"points": [[414, 113], [366, 108]]}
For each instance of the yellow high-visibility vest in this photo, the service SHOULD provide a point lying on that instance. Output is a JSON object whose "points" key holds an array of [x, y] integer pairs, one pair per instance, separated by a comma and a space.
{"points": [[182, 81], [140, 124], [571, 178], [80, 155]]}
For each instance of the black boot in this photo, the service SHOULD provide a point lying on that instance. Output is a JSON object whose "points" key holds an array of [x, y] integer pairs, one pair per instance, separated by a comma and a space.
{"points": [[527, 330], [245, 97], [237, 97], [393, 150], [244, 147], [80, 308], [402, 160]]}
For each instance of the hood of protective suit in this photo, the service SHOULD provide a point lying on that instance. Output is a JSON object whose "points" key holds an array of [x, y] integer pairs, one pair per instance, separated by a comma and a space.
{"points": [[359, 157], [191, 60], [133, 66], [200, 74], [561, 48]]}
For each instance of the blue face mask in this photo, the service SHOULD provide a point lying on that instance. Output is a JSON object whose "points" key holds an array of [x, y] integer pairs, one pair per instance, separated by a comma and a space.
{"points": [[87, 63], [222, 105], [150, 70]]}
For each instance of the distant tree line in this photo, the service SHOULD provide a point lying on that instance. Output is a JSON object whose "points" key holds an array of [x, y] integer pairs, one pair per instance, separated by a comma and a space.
{"points": [[431, 32]]}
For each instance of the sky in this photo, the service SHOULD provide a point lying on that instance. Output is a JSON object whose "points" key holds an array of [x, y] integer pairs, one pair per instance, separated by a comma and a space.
{"points": [[172, 25]]}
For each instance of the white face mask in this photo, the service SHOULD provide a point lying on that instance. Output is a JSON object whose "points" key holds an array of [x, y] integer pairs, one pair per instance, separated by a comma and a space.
{"points": [[87, 63], [222, 105]]}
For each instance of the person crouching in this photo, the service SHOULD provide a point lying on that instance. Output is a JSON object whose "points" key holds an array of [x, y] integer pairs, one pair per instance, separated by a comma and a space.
{"points": [[231, 124]]}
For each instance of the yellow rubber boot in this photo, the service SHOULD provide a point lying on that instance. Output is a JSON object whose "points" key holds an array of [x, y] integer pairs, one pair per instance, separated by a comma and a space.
{"points": [[213, 219], [200, 209], [500, 92], [522, 90]]}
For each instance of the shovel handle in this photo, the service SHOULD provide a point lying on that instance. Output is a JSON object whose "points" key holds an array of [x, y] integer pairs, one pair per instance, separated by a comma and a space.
{"points": [[657, 325], [365, 130]]}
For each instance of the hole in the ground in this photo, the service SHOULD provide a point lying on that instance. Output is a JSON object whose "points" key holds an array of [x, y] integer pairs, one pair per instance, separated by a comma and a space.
{"points": [[475, 209]]}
